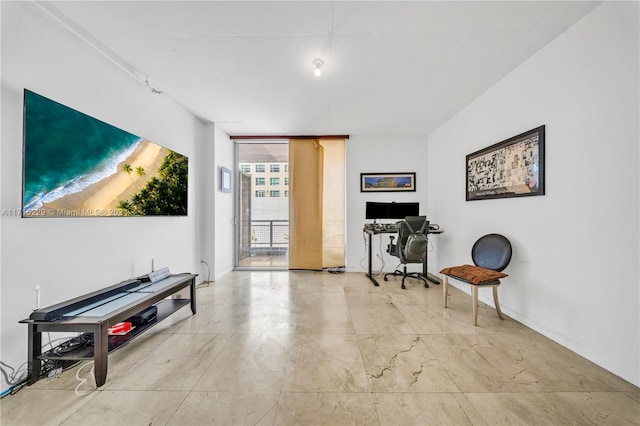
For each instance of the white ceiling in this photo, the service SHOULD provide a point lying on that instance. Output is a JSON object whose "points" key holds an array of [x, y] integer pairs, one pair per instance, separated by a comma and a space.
{"points": [[391, 68]]}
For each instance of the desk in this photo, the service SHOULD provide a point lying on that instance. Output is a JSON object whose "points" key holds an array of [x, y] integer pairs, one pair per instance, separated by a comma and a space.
{"points": [[376, 231]]}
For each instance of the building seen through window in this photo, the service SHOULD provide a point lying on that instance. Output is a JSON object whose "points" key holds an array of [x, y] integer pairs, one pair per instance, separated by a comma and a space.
{"points": [[273, 177]]}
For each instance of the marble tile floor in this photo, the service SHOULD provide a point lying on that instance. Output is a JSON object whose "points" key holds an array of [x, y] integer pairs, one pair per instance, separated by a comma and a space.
{"points": [[276, 260], [300, 348]]}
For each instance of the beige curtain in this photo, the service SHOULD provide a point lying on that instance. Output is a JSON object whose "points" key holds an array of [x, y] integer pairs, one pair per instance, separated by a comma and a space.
{"points": [[316, 203]]}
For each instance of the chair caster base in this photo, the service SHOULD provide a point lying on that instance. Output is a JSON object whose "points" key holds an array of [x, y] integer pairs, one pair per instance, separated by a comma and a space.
{"points": [[404, 276]]}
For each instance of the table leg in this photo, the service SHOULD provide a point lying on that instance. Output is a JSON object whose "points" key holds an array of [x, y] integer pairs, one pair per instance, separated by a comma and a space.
{"points": [[101, 353], [370, 272], [35, 349], [193, 296], [425, 270]]}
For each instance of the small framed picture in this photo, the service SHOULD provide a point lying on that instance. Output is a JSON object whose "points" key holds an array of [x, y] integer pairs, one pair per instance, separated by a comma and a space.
{"points": [[225, 180], [387, 182]]}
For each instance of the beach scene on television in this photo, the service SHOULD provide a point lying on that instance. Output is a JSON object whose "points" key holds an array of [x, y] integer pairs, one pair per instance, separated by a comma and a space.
{"points": [[77, 166]]}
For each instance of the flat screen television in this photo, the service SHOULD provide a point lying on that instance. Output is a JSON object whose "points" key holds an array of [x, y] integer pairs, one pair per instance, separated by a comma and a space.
{"points": [[392, 210], [77, 166]]}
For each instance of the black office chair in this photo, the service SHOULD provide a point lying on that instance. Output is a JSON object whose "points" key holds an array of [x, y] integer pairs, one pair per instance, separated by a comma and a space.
{"points": [[411, 247], [491, 254]]}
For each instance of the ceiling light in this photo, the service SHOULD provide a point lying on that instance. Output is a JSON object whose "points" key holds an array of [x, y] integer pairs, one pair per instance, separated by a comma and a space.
{"points": [[318, 63]]}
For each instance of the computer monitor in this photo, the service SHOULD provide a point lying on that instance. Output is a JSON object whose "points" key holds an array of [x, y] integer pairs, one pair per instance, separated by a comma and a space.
{"points": [[376, 210]]}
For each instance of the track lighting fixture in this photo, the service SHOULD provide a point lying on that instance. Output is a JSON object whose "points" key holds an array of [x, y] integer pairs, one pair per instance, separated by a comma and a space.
{"points": [[56, 16], [148, 86]]}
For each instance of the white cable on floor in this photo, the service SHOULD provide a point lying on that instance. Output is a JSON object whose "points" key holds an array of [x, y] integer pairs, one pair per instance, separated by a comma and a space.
{"points": [[83, 381]]}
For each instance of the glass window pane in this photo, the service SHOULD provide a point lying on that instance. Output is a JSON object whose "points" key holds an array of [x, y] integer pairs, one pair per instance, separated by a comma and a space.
{"points": [[263, 225]]}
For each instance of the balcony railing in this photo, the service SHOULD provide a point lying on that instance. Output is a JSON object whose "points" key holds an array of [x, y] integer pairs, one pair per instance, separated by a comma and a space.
{"points": [[269, 235]]}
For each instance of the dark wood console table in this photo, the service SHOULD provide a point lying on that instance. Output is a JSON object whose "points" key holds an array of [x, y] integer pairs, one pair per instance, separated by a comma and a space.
{"points": [[96, 312]]}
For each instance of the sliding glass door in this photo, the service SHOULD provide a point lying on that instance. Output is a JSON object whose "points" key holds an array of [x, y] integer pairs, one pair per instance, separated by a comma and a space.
{"points": [[263, 205]]}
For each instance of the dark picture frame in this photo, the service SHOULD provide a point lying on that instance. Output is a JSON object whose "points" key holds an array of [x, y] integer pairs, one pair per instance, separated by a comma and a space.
{"points": [[387, 182], [226, 183], [508, 169]]}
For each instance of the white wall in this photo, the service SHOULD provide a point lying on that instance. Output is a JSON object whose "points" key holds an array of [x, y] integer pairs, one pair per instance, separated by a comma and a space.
{"points": [[72, 256], [224, 156], [574, 274], [379, 154], [217, 237], [207, 217]]}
